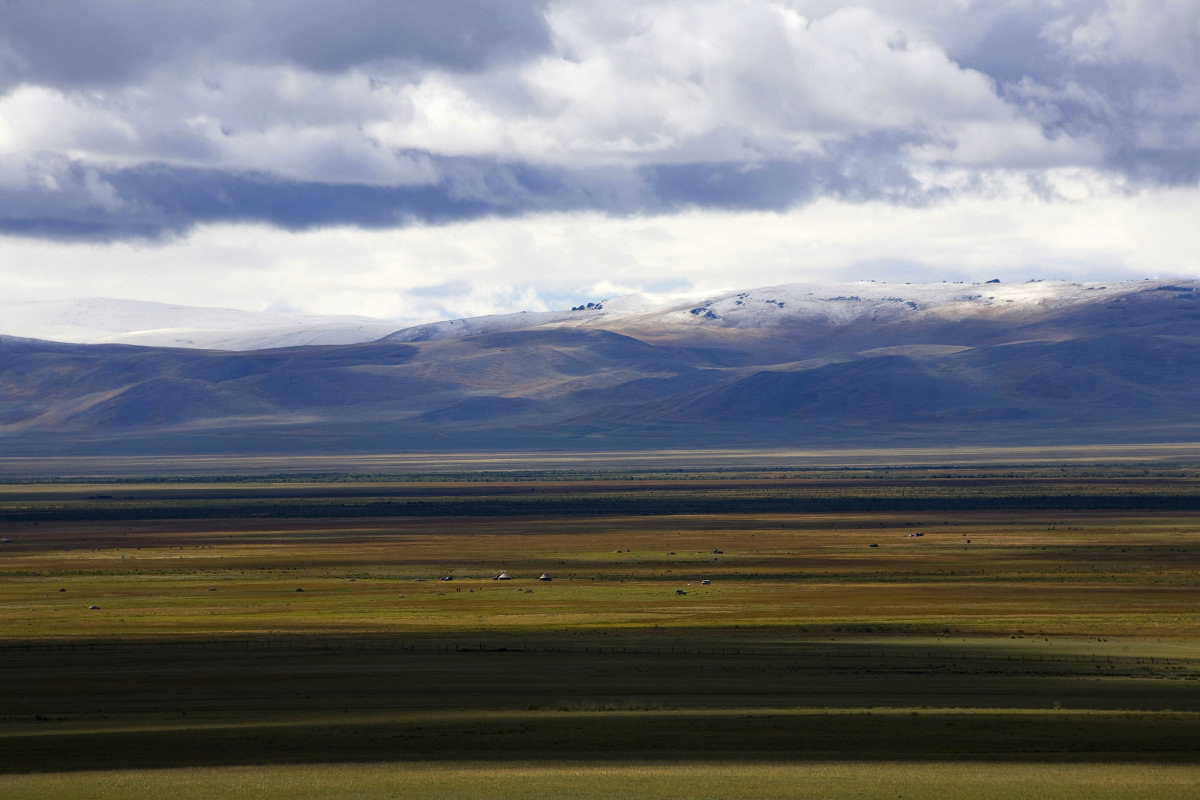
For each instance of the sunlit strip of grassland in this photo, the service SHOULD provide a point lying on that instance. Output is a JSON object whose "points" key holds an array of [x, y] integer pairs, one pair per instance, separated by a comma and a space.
{"points": [[889, 780]]}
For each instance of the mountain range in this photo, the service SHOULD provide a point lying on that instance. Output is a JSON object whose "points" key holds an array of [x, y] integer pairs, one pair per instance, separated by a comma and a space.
{"points": [[1043, 362]]}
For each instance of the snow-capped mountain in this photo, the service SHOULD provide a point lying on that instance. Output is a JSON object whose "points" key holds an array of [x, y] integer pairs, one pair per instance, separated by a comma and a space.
{"points": [[795, 304], [95, 320], [791, 365], [107, 320]]}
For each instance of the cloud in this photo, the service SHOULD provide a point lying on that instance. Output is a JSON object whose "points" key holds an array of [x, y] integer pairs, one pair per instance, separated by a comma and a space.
{"points": [[59, 198], [468, 156], [1080, 227], [1126, 77], [95, 43]]}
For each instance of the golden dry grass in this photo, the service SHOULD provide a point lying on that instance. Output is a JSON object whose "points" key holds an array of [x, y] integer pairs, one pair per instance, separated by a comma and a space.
{"points": [[881, 781]]}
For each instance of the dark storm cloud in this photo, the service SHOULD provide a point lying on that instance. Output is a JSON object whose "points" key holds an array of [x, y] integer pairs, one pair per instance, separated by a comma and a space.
{"points": [[155, 201], [862, 169], [85, 43]]}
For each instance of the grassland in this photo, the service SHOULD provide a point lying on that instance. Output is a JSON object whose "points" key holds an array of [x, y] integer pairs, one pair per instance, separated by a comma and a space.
{"points": [[870, 781], [1039, 635]]}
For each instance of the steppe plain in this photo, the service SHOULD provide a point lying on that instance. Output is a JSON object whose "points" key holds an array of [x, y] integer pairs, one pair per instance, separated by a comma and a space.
{"points": [[1000, 624]]}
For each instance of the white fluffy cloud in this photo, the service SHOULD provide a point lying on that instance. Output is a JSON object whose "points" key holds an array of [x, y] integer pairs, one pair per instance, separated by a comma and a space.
{"points": [[711, 81], [1088, 229], [427, 159]]}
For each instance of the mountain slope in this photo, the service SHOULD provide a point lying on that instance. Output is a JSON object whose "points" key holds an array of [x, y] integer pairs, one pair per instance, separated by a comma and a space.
{"points": [[1060, 363]]}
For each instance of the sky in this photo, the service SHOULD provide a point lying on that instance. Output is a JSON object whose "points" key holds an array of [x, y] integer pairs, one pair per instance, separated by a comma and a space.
{"points": [[434, 159]]}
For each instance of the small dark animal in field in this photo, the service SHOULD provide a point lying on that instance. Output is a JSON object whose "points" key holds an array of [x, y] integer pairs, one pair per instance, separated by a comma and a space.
{"points": [[299, 589], [680, 591]]}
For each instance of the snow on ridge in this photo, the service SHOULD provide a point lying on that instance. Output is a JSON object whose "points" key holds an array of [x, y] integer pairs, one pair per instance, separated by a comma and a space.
{"points": [[828, 303], [492, 323], [843, 303], [600, 312], [104, 320], [258, 338], [95, 320]]}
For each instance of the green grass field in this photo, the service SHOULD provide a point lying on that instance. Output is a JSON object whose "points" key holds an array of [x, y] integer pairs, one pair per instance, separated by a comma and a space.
{"points": [[872, 781], [292, 637]]}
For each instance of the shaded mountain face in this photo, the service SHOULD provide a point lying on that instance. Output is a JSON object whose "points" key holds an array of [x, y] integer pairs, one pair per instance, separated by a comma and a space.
{"points": [[1104, 365]]}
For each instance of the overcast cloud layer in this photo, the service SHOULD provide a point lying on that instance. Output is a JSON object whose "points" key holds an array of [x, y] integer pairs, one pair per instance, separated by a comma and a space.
{"points": [[427, 159]]}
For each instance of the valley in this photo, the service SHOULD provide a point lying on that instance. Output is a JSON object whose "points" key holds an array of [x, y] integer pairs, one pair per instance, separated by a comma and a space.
{"points": [[1030, 617]]}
